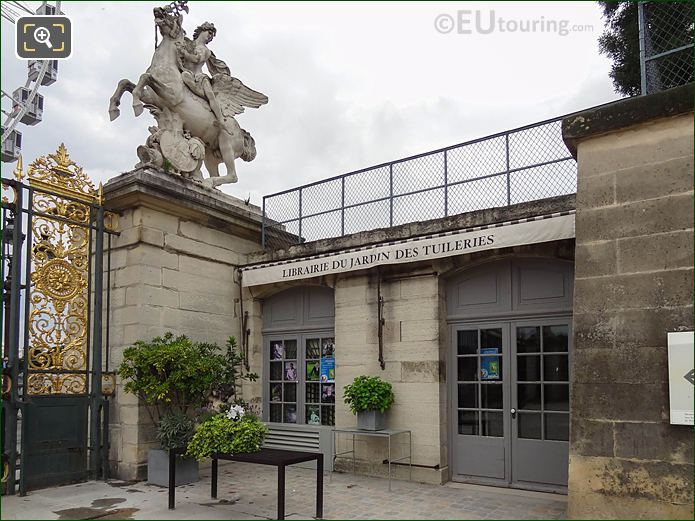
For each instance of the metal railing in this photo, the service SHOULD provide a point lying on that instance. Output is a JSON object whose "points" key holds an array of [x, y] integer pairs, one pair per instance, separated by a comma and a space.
{"points": [[519, 165], [666, 45]]}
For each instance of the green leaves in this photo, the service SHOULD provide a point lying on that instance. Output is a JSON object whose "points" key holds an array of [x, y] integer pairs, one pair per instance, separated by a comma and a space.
{"points": [[177, 378], [175, 430], [220, 434], [171, 371], [368, 393]]}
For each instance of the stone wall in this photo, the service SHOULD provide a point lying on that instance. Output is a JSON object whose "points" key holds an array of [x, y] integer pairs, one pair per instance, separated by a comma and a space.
{"points": [[172, 269], [412, 364], [634, 283]]}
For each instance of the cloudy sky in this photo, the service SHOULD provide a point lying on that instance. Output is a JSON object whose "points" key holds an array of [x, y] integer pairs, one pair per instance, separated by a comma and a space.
{"points": [[351, 84]]}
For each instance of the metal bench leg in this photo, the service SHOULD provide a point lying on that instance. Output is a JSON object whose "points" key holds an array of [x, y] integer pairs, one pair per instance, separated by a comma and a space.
{"points": [[319, 487], [281, 492], [172, 479], [213, 484]]}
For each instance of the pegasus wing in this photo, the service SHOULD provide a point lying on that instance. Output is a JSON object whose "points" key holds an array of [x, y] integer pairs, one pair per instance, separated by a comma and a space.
{"points": [[233, 96]]}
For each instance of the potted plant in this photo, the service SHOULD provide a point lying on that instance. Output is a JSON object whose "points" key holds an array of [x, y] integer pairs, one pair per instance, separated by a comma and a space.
{"points": [[235, 431], [177, 378], [369, 397]]}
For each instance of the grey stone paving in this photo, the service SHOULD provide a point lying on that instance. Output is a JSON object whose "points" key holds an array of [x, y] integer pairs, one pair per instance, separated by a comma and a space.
{"points": [[248, 492]]}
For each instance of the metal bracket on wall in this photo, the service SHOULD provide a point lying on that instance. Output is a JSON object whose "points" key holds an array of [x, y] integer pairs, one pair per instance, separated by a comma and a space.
{"points": [[245, 331], [380, 320]]}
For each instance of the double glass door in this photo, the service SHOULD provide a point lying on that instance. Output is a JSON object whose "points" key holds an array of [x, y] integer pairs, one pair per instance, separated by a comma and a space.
{"points": [[300, 378], [511, 402]]}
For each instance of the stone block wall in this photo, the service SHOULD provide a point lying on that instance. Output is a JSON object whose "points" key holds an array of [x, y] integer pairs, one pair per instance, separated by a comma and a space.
{"points": [[634, 284], [413, 366], [172, 269]]}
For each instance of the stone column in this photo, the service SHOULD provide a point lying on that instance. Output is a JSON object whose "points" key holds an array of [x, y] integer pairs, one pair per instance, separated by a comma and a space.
{"points": [[634, 284], [172, 269]]}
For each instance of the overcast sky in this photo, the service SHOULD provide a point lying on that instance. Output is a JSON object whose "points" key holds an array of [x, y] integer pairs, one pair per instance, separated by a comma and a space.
{"points": [[350, 84]]}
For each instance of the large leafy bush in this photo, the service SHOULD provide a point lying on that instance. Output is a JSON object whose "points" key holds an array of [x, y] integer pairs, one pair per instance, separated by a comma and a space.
{"points": [[178, 378]]}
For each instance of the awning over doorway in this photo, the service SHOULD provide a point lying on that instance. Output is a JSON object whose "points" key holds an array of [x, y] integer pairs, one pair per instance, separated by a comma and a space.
{"points": [[532, 230]]}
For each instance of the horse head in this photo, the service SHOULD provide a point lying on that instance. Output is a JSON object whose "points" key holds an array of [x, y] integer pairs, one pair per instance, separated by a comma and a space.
{"points": [[169, 22]]}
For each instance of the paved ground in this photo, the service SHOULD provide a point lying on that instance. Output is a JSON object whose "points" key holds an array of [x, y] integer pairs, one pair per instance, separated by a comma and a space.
{"points": [[248, 492]]}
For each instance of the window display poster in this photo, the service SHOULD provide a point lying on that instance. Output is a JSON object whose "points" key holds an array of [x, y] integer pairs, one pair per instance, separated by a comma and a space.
{"points": [[277, 351], [275, 392], [328, 369], [312, 371], [489, 365], [313, 415], [290, 371], [328, 348], [328, 393]]}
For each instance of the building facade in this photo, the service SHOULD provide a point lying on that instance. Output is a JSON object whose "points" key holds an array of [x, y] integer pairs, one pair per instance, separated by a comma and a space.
{"points": [[526, 343]]}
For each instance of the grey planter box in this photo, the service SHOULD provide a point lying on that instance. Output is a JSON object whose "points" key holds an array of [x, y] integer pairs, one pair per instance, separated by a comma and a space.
{"points": [[371, 421], [158, 468]]}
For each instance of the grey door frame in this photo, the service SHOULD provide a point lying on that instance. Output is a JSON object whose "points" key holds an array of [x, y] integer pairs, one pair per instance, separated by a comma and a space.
{"points": [[508, 322]]}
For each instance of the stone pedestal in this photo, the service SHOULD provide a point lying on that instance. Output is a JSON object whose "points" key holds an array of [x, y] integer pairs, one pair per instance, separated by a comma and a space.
{"points": [[172, 269]]}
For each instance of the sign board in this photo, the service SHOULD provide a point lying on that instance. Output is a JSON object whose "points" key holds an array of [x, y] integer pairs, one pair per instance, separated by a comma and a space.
{"points": [[501, 235], [681, 378]]}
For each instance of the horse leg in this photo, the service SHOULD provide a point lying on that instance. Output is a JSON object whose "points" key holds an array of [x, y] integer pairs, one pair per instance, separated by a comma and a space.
{"points": [[161, 89], [115, 101], [226, 141], [212, 163], [138, 107]]}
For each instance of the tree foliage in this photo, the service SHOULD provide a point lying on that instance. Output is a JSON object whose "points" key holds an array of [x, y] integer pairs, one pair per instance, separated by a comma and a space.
{"points": [[668, 26], [172, 374], [620, 42]]}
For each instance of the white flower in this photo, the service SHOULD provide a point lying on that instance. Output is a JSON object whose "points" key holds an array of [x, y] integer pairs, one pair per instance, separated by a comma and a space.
{"points": [[235, 412]]}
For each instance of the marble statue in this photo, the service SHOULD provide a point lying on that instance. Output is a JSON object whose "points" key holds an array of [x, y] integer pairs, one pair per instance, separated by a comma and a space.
{"points": [[195, 111]]}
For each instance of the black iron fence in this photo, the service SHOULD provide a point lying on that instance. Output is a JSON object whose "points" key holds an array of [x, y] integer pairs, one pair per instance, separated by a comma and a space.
{"points": [[519, 165], [666, 45]]}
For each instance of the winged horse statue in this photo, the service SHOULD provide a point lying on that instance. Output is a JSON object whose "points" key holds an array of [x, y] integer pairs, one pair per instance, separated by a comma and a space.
{"points": [[194, 111]]}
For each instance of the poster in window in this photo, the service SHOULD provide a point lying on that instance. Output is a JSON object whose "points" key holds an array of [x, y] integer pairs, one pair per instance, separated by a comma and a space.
{"points": [[312, 371], [290, 414], [313, 415], [328, 348], [328, 369], [275, 392], [489, 365], [290, 372], [277, 351], [328, 393]]}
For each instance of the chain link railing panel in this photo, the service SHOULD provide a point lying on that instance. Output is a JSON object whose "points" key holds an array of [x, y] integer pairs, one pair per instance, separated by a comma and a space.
{"points": [[520, 165], [666, 45]]}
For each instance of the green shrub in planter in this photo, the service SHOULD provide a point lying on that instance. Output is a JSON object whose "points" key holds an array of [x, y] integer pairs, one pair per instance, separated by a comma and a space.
{"points": [[175, 430], [223, 434], [368, 393]]}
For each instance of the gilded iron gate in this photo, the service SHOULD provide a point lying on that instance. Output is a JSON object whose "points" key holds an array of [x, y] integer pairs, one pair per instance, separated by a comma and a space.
{"points": [[56, 379]]}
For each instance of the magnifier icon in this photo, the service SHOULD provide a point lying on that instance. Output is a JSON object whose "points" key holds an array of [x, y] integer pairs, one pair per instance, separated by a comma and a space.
{"points": [[43, 35]]}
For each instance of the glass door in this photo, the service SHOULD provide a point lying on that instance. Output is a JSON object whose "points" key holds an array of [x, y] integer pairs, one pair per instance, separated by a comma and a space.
{"points": [[540, 401], [480, 399], [300, 378]]}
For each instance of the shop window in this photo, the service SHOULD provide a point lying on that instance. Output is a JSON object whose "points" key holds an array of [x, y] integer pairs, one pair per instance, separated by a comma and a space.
{"points": [[301, 382]]}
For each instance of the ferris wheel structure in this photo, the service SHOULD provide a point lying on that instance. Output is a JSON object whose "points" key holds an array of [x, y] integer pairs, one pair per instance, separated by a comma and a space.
{"points": [[26, 103]]}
